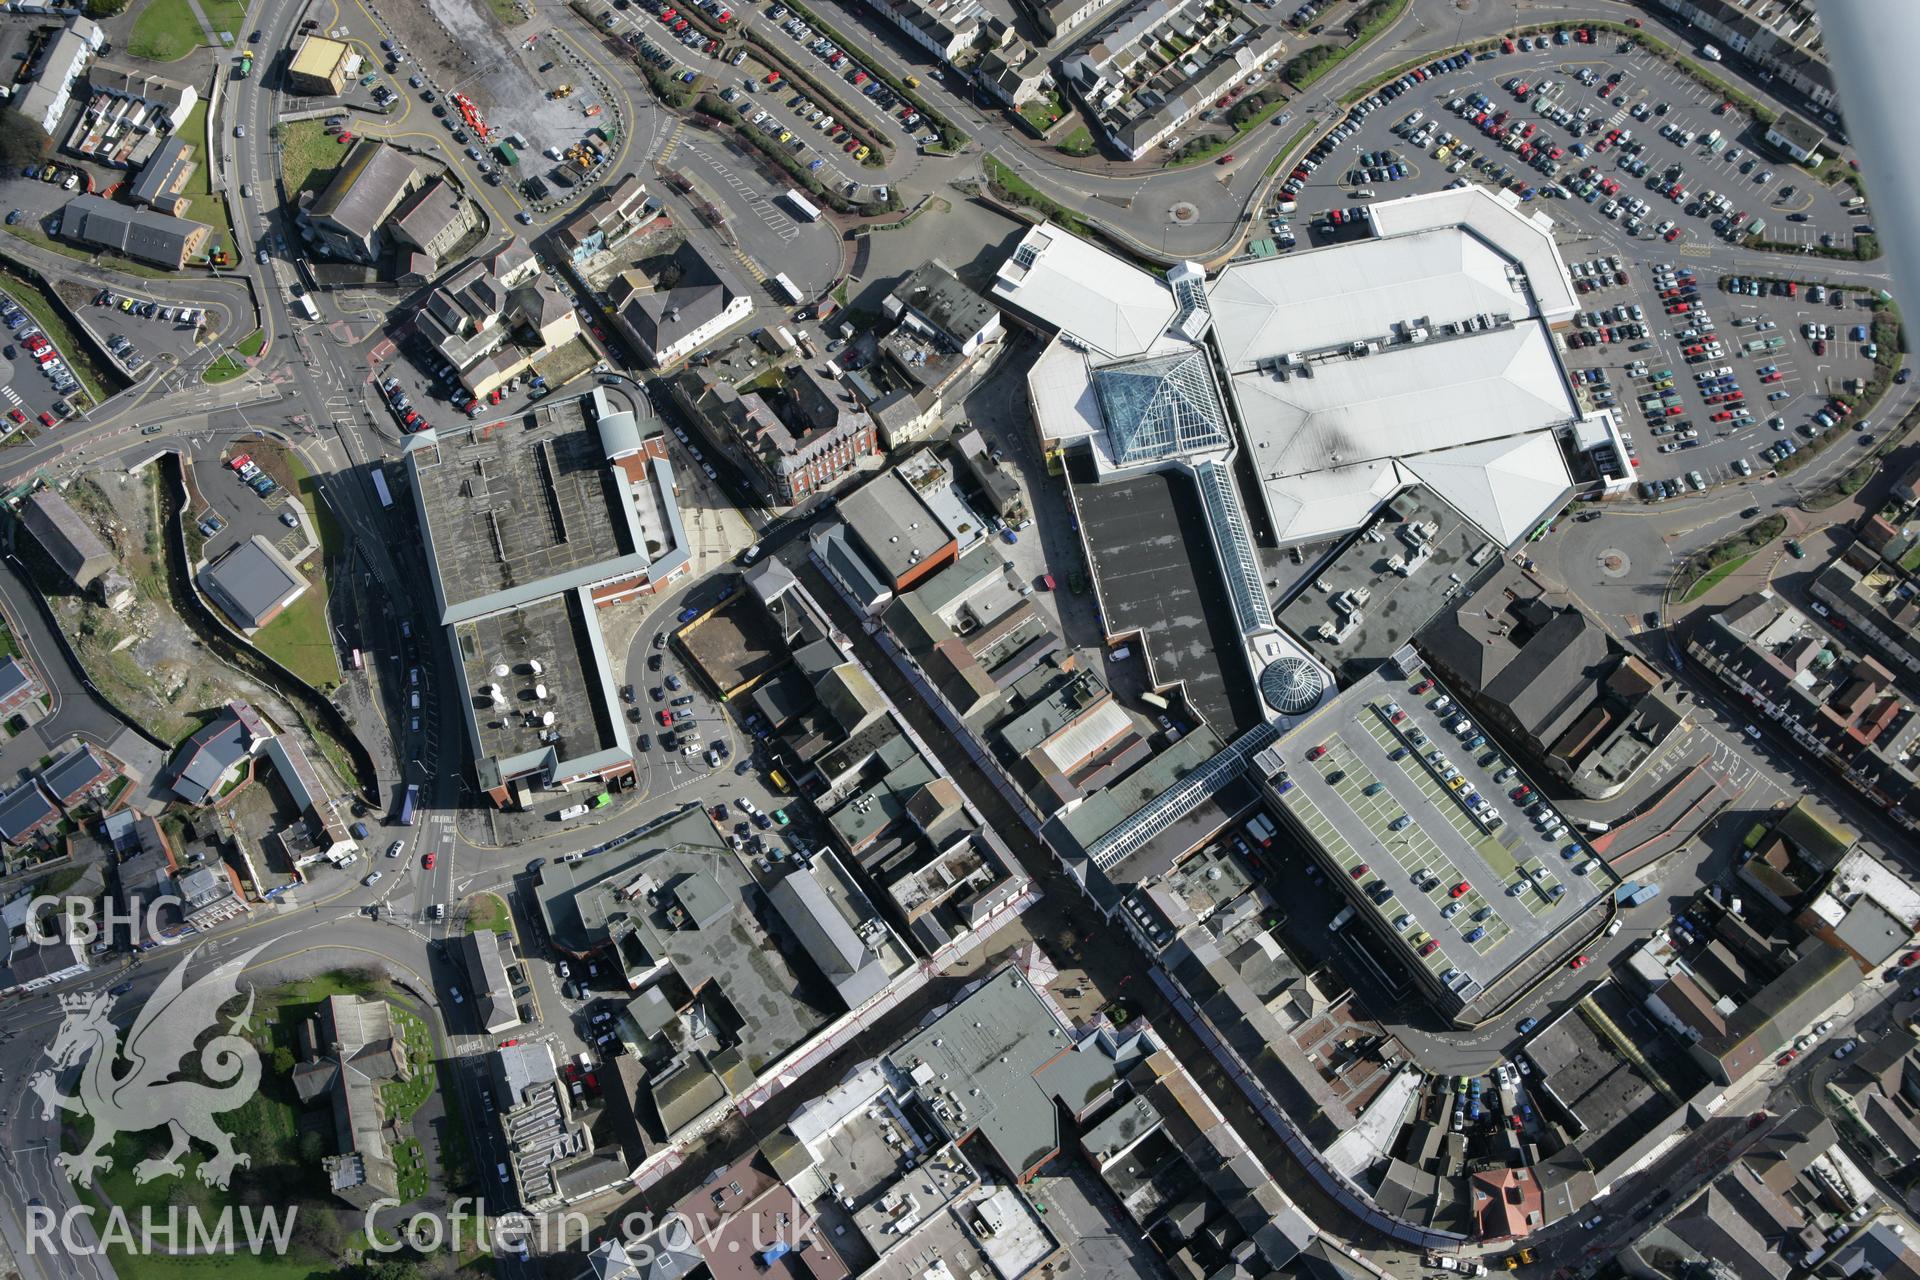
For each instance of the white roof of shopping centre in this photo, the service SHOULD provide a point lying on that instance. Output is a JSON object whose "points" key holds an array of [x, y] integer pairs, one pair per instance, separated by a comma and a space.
{"points": [[1525, 237], [1405, 400], [1357, 292], [1080, 289]]}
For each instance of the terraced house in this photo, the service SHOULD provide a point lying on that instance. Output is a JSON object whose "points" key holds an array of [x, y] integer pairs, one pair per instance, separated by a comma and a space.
{"points": [[1160, 64]]}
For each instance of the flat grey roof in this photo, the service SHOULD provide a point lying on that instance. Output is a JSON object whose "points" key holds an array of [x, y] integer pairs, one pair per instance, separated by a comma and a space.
{"points": [[1154, 565], [583, 909], [522, 508], [989, 1055], [252, 580], [893, 524], [559, 635], [1398, 607]]}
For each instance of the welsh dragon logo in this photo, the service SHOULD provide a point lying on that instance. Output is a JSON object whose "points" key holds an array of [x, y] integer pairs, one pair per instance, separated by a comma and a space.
{"points": [[130, 1087]]}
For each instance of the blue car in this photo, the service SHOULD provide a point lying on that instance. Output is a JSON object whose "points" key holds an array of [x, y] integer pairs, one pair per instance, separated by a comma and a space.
{"points": [[1476, 935], [1528, 1024]]}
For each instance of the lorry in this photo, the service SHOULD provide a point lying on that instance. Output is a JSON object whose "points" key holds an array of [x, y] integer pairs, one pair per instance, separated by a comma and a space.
{"points": [[1462, 1266], [1644, 894], [508, 156]]}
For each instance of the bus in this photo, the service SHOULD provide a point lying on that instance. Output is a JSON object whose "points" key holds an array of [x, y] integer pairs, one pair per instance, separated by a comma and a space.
{"points": [[408, 802], [358, 663], [380, 487], [786, 288], [304, 305], [802, 206]]}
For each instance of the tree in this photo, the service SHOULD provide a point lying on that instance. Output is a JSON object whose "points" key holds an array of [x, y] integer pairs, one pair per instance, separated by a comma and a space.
{"points": [[21, 141], [105, 8], [388, 1269], [283, 1062]]}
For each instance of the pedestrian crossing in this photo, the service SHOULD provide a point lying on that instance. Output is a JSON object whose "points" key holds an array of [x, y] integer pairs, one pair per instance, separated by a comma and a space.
{"points": [[12, 396]]}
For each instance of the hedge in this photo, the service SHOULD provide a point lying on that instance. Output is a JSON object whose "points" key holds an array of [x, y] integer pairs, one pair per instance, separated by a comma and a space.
{"points": [[1012, 188], [1736, 545], [843, 112], [1310, 64]]}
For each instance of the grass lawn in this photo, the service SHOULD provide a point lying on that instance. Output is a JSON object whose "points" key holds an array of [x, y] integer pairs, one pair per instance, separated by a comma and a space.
{"points": [[410, 1163], [404, 1097], [1714, 577], [78, 355], [1044, 111], [508, 13], [332, 542], [308, 156], [299, 641], [284, 1174], [225, 16], [252, 344], [1911, 560], [35, 236], [1078, 143], [207, 207], [225, 369], [165, 31], [488, 911]]}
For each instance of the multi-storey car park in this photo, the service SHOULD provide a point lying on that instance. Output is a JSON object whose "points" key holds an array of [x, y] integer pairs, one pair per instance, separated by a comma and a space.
{"points": [[532, 524]]}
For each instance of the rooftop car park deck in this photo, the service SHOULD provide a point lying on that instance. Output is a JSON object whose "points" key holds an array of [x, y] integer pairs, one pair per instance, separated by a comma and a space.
{"points": [[1385, 757]]}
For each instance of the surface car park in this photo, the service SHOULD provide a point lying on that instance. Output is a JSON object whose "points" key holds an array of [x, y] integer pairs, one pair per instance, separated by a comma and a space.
{"points": [[1576, 129]]}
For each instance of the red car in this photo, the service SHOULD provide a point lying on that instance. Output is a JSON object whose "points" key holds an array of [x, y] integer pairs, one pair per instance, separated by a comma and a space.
{"points": [[1773, 377], [1459, 889], [1423, 686], [1672, 235], [1725, 415], [17, 416], [1430, 946], [1506, 46], [719, 813], [1317, 752], [1399, 717], [1579, 962], [1819, 346], [495, 396], [1786, 1057], [1359, 871], [1520, 793], [1225, 159], [666, 717], [346, 136], [1907, 961], [46, 419], [412, 420], [427, 861], [508, 1044]]}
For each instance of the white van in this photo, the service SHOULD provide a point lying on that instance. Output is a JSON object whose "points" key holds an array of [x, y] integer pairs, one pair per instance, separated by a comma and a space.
{"points": [[1121, 654]]}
